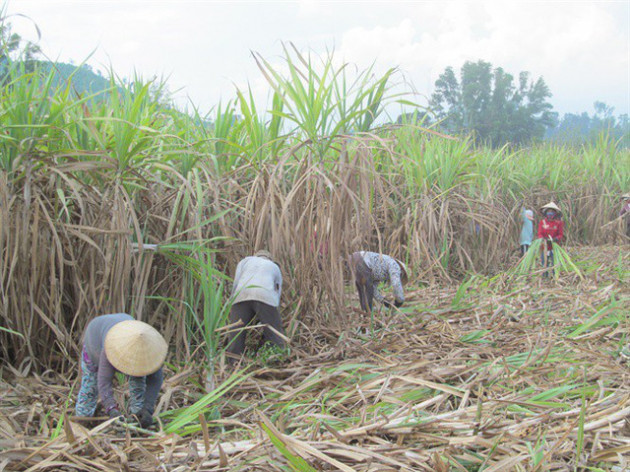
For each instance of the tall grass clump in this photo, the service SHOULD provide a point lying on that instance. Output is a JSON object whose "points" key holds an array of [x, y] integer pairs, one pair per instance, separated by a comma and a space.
{"points": [[321, 101], [535, 261], [206, 306]]}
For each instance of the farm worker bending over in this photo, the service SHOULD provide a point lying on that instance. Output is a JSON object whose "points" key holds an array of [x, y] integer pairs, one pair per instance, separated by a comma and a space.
{"points": [[625, 212], [256, 294], [527, 232], [118, 343], [370, 269], [550, 228]]}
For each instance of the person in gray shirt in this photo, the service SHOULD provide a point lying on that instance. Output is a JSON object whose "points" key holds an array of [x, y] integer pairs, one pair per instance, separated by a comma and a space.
{"points": [[256, 294], [118, 343]]}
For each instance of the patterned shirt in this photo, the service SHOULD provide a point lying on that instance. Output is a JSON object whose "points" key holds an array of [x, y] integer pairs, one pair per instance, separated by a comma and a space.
{"points": [[384, 269]]}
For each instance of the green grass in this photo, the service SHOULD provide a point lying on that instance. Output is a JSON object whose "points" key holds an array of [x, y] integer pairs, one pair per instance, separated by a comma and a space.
{"points": [[179, 420]]}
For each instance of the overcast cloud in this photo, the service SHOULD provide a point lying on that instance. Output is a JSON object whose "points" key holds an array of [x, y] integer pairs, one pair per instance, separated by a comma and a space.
{"points": [[581, 49]]}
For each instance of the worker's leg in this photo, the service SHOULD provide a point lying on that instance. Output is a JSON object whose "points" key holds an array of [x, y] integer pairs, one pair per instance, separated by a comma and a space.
{"points": [[363, 280], [270, 317], [362, 296], [352, 265], [550, 263], [88, 393], [369, 294], [137, 387], [243, 312]]}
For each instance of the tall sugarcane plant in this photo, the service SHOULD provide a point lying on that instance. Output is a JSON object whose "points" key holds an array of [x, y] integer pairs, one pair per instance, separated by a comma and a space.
{"points": [[82, 176]]}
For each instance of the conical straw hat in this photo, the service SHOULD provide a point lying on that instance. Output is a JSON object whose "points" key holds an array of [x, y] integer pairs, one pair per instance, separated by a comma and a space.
{"points": [[550, 206], [135, 348], [405, 274]]}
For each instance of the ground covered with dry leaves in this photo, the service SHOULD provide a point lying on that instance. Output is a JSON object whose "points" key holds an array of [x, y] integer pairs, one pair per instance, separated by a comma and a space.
{"points": [[490, 374]]}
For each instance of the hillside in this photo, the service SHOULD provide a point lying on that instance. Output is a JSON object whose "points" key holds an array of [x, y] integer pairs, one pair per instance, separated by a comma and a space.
{"points": [[84, 79]]}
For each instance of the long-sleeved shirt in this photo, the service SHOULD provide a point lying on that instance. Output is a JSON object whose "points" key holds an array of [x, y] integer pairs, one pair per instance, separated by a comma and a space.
{"points": [[553, 229], [384, 269], [259, 279], [527, 232], [94, 345]]}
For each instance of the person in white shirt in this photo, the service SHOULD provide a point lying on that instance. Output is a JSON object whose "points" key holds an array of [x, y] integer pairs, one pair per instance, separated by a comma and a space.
{"points": [[256, 294]]}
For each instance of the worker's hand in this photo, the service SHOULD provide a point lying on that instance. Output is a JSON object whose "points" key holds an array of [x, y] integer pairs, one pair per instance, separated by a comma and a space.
{"points": [[114, 413], [398, 304], [145, 418]]}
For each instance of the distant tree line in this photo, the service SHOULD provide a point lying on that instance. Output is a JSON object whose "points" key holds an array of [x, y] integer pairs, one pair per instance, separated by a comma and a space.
{"points": [[582, 128], [489, 104]]}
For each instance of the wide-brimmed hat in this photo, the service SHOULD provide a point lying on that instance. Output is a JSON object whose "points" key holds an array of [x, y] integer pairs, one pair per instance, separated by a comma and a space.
{"points": [[550, 206], [404, 276], [135, 348]]}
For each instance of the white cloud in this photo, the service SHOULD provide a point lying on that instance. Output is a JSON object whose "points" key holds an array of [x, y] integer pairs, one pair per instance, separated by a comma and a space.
{"points": [[308, 8], [580, 48]]}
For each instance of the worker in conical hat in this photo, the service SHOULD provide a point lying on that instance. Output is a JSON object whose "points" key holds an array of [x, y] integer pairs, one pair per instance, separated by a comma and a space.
{"points": [[118, 343], [550, 206], [551, 229], [370, 269]]}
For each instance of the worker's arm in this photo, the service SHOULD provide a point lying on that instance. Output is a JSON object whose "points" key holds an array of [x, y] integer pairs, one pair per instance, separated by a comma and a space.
{"points": [[105, 379]]}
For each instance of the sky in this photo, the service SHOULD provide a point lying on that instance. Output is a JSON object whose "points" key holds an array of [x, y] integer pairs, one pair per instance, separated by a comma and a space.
{"points": [[204, 48]]}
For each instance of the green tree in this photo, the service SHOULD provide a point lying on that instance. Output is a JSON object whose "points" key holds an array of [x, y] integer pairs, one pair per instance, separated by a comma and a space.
{"points": [[583, 128], [486, 102], [14, 48]]}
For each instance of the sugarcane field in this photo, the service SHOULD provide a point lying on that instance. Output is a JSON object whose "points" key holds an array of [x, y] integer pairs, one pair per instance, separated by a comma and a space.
{"points": [[309, 283]]}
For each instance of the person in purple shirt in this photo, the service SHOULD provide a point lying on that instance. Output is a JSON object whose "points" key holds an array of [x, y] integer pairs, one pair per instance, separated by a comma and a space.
{"points": [[118, 343]]}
